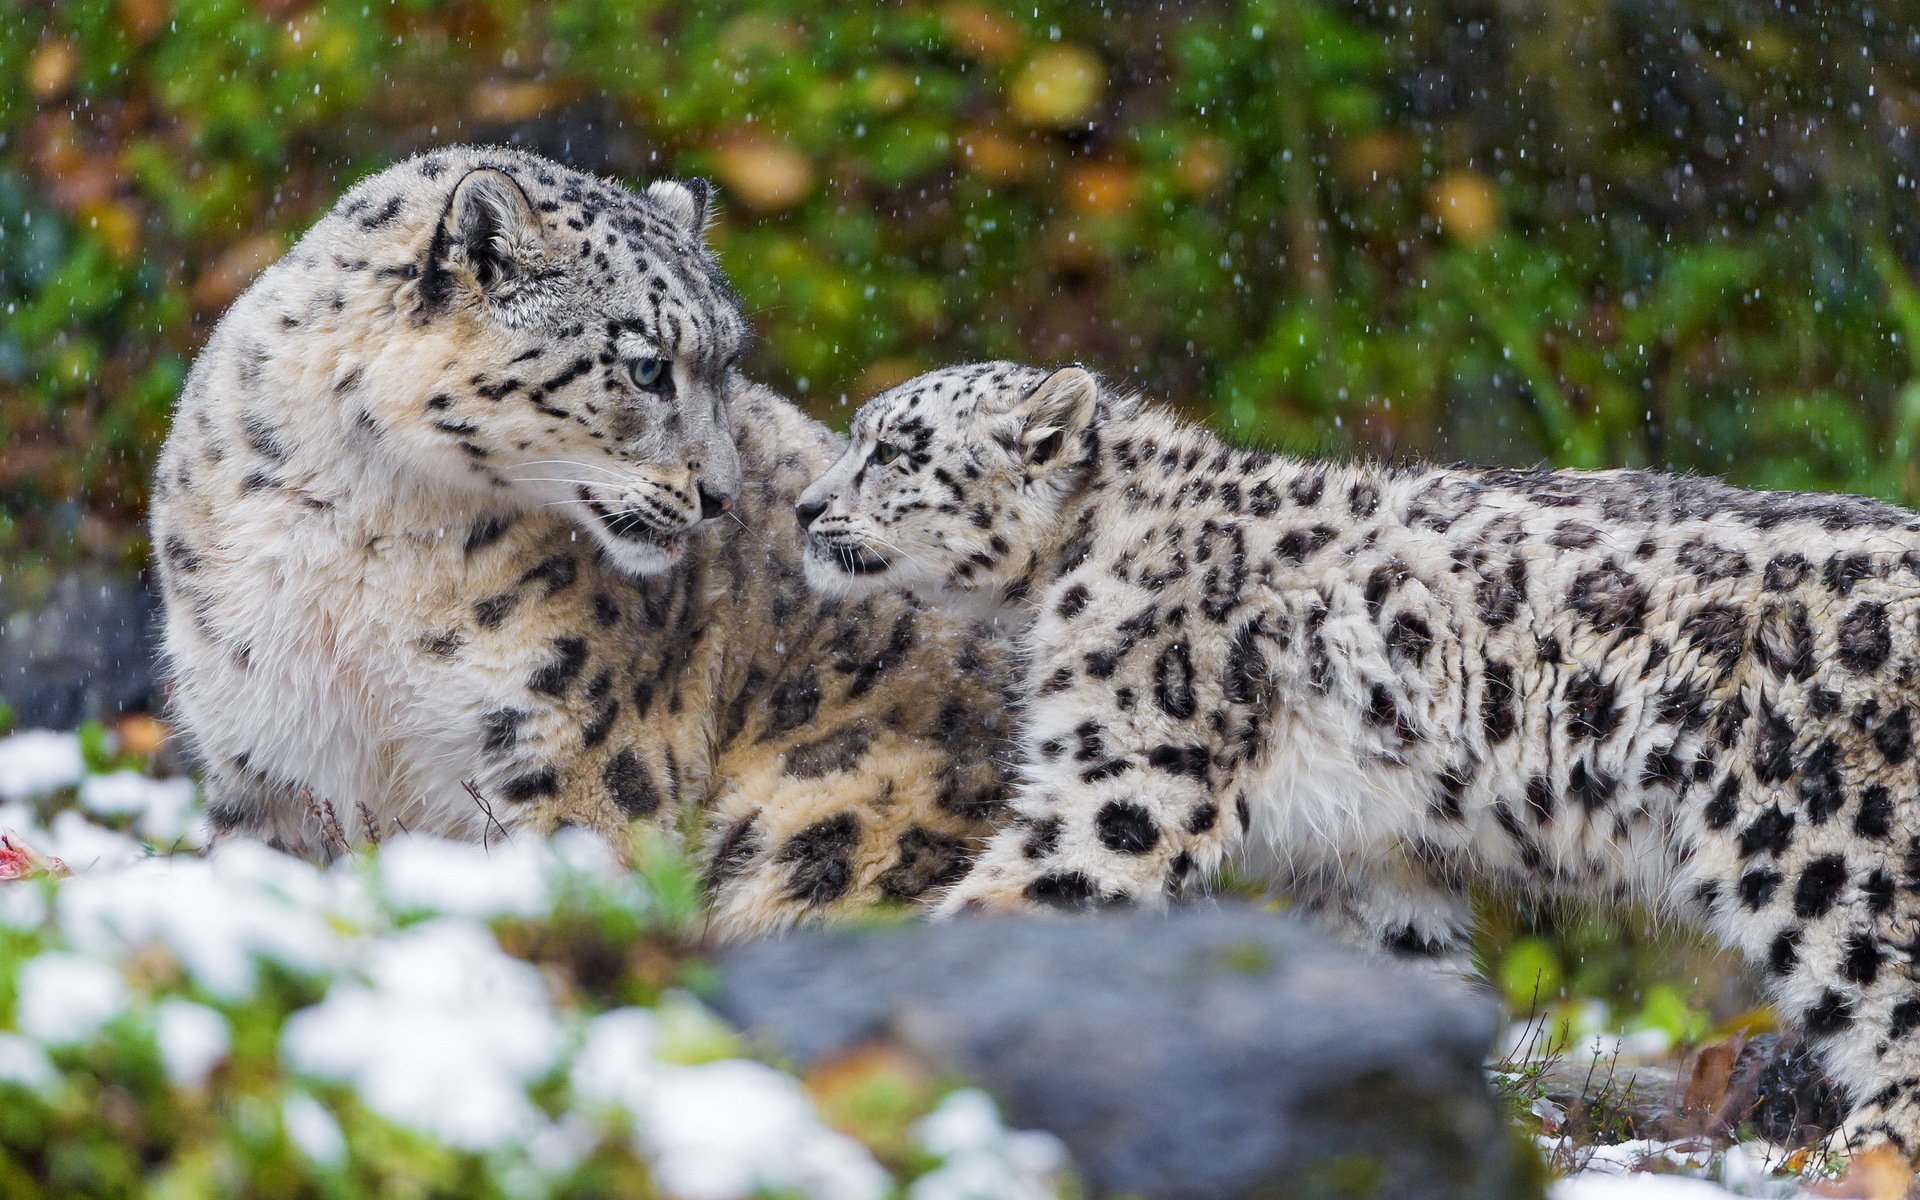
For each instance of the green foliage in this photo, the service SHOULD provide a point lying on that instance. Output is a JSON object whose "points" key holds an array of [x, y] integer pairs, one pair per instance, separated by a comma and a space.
{"points": [[105, 1108], [1676, 235]]}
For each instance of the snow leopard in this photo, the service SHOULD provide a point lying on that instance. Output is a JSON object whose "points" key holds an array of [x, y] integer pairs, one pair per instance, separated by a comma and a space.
{"points": [[466, 525], [1386, 683]]}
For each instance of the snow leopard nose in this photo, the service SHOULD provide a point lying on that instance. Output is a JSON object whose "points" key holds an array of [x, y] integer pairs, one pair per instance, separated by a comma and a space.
{"points": [[809, 511], [712, 504]]}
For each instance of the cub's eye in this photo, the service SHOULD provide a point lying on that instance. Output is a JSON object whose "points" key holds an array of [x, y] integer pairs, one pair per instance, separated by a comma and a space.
{"points": [[885, 452], [651, 374]]}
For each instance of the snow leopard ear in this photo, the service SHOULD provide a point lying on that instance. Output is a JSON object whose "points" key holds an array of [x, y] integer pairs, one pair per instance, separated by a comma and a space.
{"points": [[685, 204], [1056, 411], [490, 232]]}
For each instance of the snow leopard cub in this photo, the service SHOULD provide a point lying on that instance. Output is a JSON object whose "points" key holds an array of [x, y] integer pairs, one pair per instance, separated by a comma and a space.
{"points": [[1385, 682]]}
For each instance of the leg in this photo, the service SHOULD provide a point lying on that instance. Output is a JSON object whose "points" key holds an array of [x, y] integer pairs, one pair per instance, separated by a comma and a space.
{"points": [[1378, 907], [1839, 955], [830, 825], [1113, 832], [244, 803]]}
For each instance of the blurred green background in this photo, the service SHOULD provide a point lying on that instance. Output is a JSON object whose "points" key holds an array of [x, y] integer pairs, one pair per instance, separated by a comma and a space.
{"points": [[1583, 232], [1586, 232]]}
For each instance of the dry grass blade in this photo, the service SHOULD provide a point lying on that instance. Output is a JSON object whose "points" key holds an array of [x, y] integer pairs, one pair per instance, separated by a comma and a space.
{"points": [[333, 839], [486, 808]]}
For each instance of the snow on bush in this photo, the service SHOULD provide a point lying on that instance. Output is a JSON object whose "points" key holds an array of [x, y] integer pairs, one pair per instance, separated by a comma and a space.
{"points": [[411, 1021]]}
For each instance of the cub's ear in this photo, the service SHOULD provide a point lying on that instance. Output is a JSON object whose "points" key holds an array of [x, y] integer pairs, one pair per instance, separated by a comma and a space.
{"points": [[685, 204], [490, 232], [1056, 411]]}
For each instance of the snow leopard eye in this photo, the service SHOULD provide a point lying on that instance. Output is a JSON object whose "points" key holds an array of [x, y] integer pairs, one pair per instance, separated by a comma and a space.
{"points": [[885, 452], [651, 375]]}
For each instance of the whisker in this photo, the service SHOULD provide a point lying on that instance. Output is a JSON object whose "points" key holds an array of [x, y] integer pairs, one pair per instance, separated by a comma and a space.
{"points": [[609, 472], [584, 483]]}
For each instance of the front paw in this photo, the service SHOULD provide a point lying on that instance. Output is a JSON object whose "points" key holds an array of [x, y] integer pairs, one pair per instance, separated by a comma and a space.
{"points": [[983, 891], [996, 890]]}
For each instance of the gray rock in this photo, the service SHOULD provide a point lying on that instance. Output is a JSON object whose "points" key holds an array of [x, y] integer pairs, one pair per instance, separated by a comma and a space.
{"points": [[83, 650], [1215, 1052]]}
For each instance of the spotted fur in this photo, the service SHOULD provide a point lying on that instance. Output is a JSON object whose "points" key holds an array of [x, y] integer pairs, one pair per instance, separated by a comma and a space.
{"points": [[1383, 683], [429, 527]]}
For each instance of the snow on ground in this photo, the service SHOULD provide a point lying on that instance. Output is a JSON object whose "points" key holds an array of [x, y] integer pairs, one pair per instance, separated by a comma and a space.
{"points": [[1636, 1187], [38, 762], [1684, 1170]]}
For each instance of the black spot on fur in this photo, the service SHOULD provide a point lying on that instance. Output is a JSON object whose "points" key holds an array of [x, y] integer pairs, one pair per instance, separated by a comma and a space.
{"points": [[1203, 818], [1875, 818], [1591, 709], [1298, 545], [559, 672], [600, 724], [1173, 681], [820, 859], [1610, 599], [381, 216], [927, 861], [792, 704], [1382, 711], [840, 750], [1592, 787], [1860, 962], [1821, 794], [263, 437], [1842, 571], [1773, 748], [1819, 887], [543, 782], [1065, 889], [1865, 639], [500, 730], [1381, 583], [1497, 715], [1661, 767], [1408, 942], [1446, 802], [1721, 810], [1501, 593], [1878, 889], [485, 532], [1784, 640], [1783, 954], [1757, 887], [1894, 737], [1109, 769], [556, 571], [1540, 801], [1410, 637], [1786, 572], [1829, 1015], [1072, 602], [489, 613], [1710, 562], [1718, 631], [1770, 833], [630, 784], [1905, 1017], [1191, 761], [1126, 828], [1043, 838], [735, 850], [1249, 678]]}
